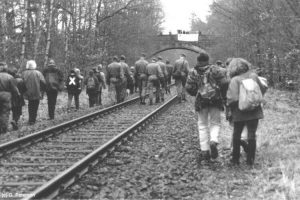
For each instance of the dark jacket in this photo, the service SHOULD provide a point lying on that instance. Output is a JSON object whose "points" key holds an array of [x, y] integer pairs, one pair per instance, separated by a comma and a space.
{"points": [[54, 78], [8, 84], [73, 83], [18, 100], [169, 69], [101, 80], [8, 88], [241, 71], [91, 90], [194, 82]]}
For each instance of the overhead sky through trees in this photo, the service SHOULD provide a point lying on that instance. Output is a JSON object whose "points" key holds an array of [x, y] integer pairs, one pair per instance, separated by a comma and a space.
{"points": [[178, 13]]}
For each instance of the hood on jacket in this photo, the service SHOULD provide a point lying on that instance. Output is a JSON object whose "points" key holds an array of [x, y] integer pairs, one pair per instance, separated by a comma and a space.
{"points": [[51, 63], [200, 68], [31, 64], [238, 66]]}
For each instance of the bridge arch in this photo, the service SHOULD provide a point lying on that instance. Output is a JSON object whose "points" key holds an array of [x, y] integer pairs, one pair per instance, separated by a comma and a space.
{"points": [[189, 47]]}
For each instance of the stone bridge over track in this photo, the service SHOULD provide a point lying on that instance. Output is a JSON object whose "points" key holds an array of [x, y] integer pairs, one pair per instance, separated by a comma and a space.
{"points": [[168, 42]]}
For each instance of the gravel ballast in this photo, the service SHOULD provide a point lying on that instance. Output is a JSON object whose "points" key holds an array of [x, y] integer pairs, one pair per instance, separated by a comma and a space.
{"points": [[162, 162]]}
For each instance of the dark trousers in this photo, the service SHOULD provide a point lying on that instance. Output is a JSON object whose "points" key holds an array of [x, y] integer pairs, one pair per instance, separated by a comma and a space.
{"points": [[169, 79], [92, 99], [52, 96], [237, 131], [16, 113], [76, 99], [33, 106]]}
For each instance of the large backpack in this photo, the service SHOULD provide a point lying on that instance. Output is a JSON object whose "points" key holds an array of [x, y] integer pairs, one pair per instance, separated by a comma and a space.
{"points": [[91, 84], [250, 96], [208, 89]]}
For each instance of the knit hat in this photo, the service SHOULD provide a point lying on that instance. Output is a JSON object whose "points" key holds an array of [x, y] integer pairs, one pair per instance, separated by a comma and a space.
{"points": [[203, 57]]}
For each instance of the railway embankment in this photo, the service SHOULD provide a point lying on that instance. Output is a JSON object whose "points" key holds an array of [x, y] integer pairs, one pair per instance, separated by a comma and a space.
{"points": [[161, 161]]}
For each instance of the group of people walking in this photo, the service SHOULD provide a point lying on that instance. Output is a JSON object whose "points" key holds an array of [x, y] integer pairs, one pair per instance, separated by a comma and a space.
{"points": [[216, 87], [32, 84], [155, 76]]}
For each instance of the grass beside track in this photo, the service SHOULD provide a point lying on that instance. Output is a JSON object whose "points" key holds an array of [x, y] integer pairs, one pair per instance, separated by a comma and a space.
{"points": [[279, 149]]}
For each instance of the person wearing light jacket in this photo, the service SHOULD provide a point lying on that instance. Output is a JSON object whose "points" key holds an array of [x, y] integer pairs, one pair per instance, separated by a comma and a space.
{"points": [[141, 77], [154, 73], [35, 83], [180, 73], [239, 70]]}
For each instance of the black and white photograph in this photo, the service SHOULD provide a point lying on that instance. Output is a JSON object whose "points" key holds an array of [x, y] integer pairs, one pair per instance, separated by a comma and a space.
{"points": [[149, 99]]}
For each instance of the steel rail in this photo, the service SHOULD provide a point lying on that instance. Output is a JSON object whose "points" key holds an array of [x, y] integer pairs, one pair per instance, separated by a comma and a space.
{"points": [[65, 179], [22, 142], [33, 138]]}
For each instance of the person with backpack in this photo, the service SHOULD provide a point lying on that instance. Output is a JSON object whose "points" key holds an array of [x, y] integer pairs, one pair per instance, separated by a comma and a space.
{"points": [[54, 84], [102, 84], [154, 74], [141, 77], [180, 73], [98, 75], [73, 85], [115, 75], [163, 80], [8, 88], [17, 101], [208, 83], [92, 85], [127, 77], [244, 97]]}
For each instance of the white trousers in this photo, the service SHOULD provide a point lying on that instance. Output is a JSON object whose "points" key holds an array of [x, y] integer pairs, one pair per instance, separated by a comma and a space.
{"points": [[209, 124]]}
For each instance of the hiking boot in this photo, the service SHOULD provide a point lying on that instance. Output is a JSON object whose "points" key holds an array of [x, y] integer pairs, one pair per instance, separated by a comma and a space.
{"points": [[204, 156], [157, 100], [235, 152], [244, 144], [3, 130], [151, 102], [251, 152], [234, 162], [213, 150], [179, 99], [14, 125]]}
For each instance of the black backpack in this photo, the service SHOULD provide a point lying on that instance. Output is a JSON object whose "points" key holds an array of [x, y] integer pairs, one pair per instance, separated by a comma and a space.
{"points": [[209, 89], [73, 83]]}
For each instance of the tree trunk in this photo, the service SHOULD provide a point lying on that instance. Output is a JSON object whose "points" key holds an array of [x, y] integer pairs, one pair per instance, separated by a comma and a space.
{"points": [[2, 42], [38, 30], [23, 43], [48, 33]]}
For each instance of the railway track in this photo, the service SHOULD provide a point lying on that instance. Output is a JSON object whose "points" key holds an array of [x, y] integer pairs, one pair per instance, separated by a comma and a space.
{"points": [[43, 164]]}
